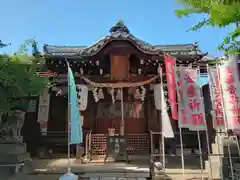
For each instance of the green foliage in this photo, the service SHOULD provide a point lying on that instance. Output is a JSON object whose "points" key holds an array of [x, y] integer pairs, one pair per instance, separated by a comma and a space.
{"points": [[220, 13], [18, 79], [3, 44]]}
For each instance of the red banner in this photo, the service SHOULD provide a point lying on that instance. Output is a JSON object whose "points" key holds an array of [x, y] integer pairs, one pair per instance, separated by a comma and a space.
{"points": [[171, 83]]}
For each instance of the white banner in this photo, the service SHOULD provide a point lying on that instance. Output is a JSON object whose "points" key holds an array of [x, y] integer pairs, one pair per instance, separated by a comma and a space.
{"points": [[216, 97], [231, 93], [167, 129], [43, 110], [157, 96], [192, 98]]}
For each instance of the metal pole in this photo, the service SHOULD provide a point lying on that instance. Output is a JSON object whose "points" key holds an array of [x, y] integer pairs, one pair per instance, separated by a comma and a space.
{"points": [[180, 128], [230, 160], [219, 144], [200, 154], [151, 165], [206, 131], [68, 133], [182, 153], [69, 124], [162, 121]]}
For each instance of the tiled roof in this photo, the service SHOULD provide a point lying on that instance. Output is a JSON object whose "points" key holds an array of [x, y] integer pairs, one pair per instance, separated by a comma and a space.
{"points": [[121, 32]]}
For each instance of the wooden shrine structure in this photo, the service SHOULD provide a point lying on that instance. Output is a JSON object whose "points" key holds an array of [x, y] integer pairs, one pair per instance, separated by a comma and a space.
{"points": [[119, 59]]}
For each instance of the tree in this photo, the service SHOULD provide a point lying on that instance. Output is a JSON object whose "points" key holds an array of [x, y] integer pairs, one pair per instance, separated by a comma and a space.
{"points": [[3, 44], [18, 79], [220, 13]]}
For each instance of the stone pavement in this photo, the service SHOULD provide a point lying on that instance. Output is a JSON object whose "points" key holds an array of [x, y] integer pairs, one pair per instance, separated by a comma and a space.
{"points": [[53, 169], [55, 177]]}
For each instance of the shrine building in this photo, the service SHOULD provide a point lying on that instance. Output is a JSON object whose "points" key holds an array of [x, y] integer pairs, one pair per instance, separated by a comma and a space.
{"points": [[118, 68]]}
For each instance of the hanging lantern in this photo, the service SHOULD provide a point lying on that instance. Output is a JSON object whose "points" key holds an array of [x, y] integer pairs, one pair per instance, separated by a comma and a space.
{"points": [[118, 96], [100, 94], [95, 94]]}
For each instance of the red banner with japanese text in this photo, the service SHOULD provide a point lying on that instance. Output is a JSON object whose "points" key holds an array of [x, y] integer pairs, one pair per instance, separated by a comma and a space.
{"points": [[216, 97], [192, 100], [231, 93], [171, 83]]}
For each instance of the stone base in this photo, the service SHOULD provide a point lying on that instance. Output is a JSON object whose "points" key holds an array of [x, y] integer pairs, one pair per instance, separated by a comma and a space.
{"points": [[12, 147], [14, 158], [85, 160], [80, 152], [214, 169], [109, 159], [13, 153]]}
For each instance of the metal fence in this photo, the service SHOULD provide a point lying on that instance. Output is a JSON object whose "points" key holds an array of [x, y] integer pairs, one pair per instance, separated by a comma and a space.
{"points": [[218, 159]]}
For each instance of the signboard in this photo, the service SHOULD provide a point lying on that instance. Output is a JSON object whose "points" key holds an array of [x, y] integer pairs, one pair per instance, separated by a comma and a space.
{"points": [[117, 148]]}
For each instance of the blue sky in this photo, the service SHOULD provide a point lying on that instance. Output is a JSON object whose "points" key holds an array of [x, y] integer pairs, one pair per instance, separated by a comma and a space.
{"points": [[82, 22]]}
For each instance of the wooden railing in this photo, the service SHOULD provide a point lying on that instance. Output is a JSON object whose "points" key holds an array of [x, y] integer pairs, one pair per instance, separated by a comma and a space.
{"points": [[136, 144]]}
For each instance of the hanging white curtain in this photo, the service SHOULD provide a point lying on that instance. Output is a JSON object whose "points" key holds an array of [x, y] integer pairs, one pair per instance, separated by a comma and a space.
{"points": [[167, 129], [82, 92], [157, 96], [43, 110]]}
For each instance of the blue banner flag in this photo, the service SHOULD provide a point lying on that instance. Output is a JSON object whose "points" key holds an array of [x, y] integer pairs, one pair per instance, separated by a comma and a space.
{"points": [[75, 129]]}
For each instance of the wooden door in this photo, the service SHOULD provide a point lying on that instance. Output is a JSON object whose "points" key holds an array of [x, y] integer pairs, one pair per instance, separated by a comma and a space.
{"points": [[109, 116]]}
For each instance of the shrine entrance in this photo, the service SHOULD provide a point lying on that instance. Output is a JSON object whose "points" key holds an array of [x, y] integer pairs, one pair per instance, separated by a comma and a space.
{"points": [[109, 116], [126, 118]]}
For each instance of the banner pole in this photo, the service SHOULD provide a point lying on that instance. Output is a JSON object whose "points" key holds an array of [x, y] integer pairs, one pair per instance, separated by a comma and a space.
{"points": [[200, 153], [162, 115], [206, 130], [180, 128], [69, 123], [71, 110], [182, 153], [69, 164]]}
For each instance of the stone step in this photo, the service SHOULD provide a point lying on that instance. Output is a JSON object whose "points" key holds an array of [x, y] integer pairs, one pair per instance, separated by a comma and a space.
{"points": [[119, 175], [223, 146], [221, 168], [115, 178]]}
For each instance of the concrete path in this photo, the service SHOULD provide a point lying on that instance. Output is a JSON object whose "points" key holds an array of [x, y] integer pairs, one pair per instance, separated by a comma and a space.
{"points": [[55, 177], [53, 169]]}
